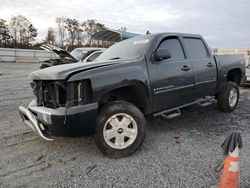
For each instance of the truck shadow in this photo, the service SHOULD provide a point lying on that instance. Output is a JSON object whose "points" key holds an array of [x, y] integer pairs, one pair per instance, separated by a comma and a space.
{"points": [[195, 120]]}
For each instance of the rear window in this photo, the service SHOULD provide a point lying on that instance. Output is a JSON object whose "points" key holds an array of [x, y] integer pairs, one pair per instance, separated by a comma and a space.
{"points": [[195, 48]]}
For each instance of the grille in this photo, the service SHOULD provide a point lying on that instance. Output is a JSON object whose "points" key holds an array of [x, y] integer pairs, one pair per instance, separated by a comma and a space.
{"points": [[54, 94], [50, 94]]}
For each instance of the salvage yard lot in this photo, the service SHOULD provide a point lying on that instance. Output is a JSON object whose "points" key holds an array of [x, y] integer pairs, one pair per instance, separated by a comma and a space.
{"points": [[28, 161]]}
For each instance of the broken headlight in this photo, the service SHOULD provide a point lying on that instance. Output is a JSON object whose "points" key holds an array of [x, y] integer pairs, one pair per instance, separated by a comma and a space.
{"points": [[79, 93]]}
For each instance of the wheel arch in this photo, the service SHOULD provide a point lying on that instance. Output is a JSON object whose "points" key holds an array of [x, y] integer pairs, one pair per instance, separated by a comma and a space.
{"points": [[135, 93], [234, 75]]}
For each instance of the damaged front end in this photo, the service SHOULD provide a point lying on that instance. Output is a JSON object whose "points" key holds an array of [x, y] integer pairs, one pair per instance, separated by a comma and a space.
{"points": [[51, 94], [55, 94], [60, 109]]}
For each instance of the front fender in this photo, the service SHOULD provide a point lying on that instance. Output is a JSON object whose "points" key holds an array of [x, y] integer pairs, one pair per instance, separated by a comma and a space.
{"points": [[133, 74]]}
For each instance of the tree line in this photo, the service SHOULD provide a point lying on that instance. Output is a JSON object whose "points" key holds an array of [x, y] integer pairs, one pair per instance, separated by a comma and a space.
{"points": [[72, 33], [21, 33]]}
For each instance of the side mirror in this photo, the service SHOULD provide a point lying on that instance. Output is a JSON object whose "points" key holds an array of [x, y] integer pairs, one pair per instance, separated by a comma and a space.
{"points": [[161, 54]]}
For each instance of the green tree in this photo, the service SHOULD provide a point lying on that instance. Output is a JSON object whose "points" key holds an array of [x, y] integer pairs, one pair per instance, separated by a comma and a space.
{"points": [[22, 30], [61, 30], [50, 38], [90, 27], [32, 33], [74, 30], [4, 33]]}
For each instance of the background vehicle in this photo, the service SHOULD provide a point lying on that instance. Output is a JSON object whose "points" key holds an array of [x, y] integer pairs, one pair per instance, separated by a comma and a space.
{"points": [[155, 75], [81, 54], [247, 82], [92, 57], [78, 54]]}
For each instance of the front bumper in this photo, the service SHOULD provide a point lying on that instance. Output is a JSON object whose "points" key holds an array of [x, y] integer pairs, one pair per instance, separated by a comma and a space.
{"points": [[47, 122]]}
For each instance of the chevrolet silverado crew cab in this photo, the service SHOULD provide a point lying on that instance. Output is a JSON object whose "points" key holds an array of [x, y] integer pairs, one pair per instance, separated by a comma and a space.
{"points": [[156, 74]]}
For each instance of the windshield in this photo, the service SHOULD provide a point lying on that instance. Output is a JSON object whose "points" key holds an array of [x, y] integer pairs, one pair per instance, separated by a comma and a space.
{"points": [[129, 49], [77, 54]]}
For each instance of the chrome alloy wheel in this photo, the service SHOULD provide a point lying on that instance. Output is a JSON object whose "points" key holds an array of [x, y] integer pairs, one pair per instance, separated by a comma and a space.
{"points": [[233, 97], [120, 131]]}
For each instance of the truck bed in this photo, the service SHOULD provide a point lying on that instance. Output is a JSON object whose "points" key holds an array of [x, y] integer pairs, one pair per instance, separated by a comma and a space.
{"points": [[230, 62]]}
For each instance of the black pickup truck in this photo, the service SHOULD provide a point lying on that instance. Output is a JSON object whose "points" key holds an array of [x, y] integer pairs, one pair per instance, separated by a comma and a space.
{"points": [[156, 74]]}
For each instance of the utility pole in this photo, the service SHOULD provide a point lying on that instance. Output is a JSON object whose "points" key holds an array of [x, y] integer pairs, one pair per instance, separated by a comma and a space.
{"points": [[15, 44]]}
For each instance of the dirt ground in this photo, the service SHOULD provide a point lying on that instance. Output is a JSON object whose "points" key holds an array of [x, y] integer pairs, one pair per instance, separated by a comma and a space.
{"points": [[28, 161]]}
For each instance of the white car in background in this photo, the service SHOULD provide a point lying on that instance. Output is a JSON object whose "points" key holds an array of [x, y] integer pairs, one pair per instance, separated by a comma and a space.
{"points": [[93, 56], [247, 82], [86, 54]]}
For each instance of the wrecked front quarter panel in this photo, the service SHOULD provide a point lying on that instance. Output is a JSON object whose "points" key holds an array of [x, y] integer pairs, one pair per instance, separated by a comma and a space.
{"points": [[121, 74]]}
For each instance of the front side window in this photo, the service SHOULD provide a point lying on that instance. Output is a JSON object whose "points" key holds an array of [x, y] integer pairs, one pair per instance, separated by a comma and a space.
{"points": [[195, 48], [174, 47]]}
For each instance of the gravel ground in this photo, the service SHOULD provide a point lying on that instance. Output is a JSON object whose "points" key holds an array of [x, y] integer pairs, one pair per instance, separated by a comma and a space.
{"points": [[28, 161]]}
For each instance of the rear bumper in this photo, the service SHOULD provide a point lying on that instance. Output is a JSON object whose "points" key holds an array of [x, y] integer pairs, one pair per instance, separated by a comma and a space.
{"points": [[47, 122]]}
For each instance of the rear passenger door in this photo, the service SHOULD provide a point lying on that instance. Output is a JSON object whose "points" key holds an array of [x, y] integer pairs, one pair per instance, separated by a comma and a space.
{"points": [[203, 64], [171, 79]]}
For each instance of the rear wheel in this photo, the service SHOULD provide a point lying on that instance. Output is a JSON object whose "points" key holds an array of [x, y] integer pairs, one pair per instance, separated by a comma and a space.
{"points": [[228, 99], [120, 129]]}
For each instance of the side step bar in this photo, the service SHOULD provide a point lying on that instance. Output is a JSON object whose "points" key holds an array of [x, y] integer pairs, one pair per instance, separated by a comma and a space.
{"points": [[175, 112], [172, 114]]}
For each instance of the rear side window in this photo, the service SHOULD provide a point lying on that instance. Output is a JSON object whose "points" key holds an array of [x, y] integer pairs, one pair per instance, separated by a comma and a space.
{"points": [[195, 48], [174, 47]]}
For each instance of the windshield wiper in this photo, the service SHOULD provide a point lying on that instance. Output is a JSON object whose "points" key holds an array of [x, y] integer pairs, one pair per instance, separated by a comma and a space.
{"points": [[113, 58]]}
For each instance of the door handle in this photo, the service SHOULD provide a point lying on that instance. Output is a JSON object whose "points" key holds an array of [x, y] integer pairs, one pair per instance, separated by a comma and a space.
{"points": [[185, 68], [210, 64]]}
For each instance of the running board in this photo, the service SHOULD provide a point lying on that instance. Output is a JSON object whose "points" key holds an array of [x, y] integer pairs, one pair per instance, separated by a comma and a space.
{"points": [[175, 112], [171, 115], [206, 103]]}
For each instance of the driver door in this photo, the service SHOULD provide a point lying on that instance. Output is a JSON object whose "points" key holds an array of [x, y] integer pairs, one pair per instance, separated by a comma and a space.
{"points": [[171, 79]]}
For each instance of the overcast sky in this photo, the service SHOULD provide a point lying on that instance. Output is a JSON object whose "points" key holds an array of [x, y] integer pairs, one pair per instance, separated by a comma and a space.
{"points": [[224, 23]]}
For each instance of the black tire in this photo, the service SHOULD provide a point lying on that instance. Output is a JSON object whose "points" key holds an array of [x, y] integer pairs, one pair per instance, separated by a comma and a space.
{"points": [[111, 110], [223, 98]]}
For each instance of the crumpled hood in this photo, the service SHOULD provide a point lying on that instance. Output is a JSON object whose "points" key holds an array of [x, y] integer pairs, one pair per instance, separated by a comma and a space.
{"points": [[63, 54], [61, 72]]}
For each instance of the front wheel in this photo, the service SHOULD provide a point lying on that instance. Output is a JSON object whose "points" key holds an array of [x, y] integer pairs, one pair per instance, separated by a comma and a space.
{"points": [[228, 99], [120, 129]]}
